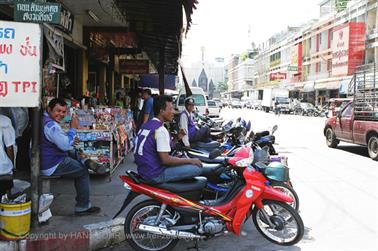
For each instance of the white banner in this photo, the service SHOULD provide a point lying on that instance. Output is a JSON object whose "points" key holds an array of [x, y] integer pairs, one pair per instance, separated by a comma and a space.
{"points": [[20, 64], [340, 50]]}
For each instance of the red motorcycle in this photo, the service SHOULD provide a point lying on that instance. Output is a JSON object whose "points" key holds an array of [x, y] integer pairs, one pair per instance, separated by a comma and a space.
{"points": [[175, 210]]}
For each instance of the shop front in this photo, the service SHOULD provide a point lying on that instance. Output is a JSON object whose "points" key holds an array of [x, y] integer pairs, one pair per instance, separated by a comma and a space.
{"points": [[326, 89], [308, 94]]}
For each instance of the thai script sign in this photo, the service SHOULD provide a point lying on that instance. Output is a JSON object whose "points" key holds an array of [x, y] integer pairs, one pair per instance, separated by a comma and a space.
{"points": [[348, 47], [134, 66], [20, 69], [35, 12], [277, 76]]}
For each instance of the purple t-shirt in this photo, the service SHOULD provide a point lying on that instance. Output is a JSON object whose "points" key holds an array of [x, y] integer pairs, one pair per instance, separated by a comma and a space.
{"points": [[145, 153]]}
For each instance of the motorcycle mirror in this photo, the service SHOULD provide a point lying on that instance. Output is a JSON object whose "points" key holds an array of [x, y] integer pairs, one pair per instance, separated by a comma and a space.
{"points": [[251, 135], [215, 153], [275, 127]]}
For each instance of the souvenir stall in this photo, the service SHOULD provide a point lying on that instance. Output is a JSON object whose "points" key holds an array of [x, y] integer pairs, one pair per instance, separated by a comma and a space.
{"points": [[104, 134]]}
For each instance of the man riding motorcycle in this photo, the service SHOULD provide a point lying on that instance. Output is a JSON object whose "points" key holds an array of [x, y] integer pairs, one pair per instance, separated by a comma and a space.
{"points": [[193, 133], [153, 145]]}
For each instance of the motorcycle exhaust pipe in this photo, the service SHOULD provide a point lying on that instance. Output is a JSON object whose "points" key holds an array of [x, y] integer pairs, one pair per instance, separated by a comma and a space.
{"points": [[166, 232]]}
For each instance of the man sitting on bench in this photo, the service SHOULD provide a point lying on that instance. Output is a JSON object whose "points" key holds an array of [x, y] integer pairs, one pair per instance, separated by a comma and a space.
{"points": [[58, 157], [193, 133], [7, 141]]}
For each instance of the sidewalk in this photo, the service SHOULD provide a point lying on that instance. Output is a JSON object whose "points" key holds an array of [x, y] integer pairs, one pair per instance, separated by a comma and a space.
{"points": [[65, 231]]}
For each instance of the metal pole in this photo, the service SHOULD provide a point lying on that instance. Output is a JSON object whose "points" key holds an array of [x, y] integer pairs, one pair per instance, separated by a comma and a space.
{"points": [[35, 163], [161, 70]]}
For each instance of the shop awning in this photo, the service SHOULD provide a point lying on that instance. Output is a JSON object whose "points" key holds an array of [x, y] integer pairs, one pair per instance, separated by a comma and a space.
{"points": [[152, 81], [331, 85], [344, 85], [159, 26], [308, 86]]}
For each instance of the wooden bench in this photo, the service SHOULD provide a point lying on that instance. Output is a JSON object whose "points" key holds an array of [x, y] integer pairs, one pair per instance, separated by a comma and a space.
{"points": [[44, 183], [6, 177]]}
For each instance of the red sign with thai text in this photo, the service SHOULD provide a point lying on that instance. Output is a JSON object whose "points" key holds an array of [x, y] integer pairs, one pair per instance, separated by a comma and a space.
{"points": [[134, 66]]}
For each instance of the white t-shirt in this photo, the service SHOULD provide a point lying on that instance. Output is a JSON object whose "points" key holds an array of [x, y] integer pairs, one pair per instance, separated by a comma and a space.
{"points": [[162, 138], [7, 139]]}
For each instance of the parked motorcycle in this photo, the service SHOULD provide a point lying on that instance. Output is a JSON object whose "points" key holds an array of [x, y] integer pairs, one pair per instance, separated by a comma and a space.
{"points": [[175, 210], [221, 175]]}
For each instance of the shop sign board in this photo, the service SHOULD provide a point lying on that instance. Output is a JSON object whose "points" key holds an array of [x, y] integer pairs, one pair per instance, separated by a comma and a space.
{"points": [[294, 62], [20, 64], [35, 12], [134, 66], [277, 76], [348, 47], [66, 20]]}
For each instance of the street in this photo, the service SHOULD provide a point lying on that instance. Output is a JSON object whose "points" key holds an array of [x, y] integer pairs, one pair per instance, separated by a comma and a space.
{"points": [[337, 189]]}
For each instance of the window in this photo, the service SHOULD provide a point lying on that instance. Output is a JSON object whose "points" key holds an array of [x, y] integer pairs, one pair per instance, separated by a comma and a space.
{"points": [[199, 99], [211, 103], [329, 65], [348, 111]]}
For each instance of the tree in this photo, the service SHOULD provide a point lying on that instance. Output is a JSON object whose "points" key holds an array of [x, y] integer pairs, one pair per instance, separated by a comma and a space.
{"points": [[222, 87]]}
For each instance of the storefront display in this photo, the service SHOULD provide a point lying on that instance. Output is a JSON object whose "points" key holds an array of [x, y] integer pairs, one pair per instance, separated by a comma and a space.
{"points": [[103, 134]]}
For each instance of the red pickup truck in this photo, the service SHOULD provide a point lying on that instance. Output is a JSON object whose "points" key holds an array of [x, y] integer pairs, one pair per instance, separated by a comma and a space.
{"points": [[347, 126]]}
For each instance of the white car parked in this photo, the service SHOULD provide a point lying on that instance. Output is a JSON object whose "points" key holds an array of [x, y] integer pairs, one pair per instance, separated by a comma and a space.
{"points": [[213, 108]]}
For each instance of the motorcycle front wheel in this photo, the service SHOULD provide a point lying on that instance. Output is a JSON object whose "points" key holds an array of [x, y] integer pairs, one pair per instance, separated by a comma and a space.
{"points": [[279, 223], [288, 190]]}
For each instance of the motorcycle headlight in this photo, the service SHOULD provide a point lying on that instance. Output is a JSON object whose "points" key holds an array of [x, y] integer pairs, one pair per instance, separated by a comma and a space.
{"points": [[126, 186], [244, 162], [247, 161]]}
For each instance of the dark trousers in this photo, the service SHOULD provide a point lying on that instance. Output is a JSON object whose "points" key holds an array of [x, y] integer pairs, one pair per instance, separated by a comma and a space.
{"points": [[202, 135]]}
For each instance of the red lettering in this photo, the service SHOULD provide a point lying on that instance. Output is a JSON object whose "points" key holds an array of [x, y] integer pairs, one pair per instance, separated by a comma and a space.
{"points": [[34, 86], [16, 83], [25, 85], [3, 88]]}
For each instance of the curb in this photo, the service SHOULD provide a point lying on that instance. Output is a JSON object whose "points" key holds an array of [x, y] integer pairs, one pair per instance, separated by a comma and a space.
{"points": [[91, 237], [105, 234]]}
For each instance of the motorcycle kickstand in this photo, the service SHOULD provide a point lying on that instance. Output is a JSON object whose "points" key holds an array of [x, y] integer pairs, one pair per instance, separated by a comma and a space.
{"points": [[196, 246]]}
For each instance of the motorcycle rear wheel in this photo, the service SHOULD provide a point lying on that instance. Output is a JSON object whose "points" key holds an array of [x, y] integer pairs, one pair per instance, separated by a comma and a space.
{"points": [[143, 241], [284, 219]]}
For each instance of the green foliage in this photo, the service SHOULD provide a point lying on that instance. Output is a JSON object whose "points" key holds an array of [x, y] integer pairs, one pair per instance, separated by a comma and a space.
{"points": [[222, 86]]}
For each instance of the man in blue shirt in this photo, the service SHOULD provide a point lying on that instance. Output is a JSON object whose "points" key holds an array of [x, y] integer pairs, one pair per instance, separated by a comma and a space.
{"points": [[59, 158], [148, 107]]}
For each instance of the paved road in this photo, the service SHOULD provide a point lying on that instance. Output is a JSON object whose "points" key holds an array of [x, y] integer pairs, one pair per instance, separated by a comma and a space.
{"points": [[338, 189]]}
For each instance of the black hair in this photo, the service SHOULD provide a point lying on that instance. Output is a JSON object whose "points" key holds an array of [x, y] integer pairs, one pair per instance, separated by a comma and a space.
{"points": [[160, 103], [56, 101], [148, 91]]}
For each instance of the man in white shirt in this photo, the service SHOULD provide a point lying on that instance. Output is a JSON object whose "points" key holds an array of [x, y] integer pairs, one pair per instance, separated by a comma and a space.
{"points": [[7, 140], [193, 133]]}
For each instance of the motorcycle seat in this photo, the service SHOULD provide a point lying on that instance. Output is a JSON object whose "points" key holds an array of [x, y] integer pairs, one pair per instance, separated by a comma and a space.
{"points": [[212, 168], [262, 134], [207, 146], [204, 157], [194, 184]]}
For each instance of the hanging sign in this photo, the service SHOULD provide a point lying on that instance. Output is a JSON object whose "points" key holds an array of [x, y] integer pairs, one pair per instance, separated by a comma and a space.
{"points": [[20, 64], [35, 12]]}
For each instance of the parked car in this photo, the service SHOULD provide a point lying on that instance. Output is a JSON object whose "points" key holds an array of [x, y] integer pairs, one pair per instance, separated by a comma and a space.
{"points": [[346, 126], [357, 122], [306, 109], [213, 108], [236, 103], [199, 98]]}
